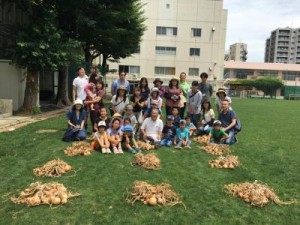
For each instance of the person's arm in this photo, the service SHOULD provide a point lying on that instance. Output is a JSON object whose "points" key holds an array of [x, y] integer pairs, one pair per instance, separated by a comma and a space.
{"points": [[71, 124], [233, 123], [210, 90], [224, 137], [74, 93], [113, 100], [82, 125]]}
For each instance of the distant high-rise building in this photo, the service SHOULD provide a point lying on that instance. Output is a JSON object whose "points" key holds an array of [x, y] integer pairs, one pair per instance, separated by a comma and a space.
{"points": [[181, 36], [283, 46], [238, 52]]}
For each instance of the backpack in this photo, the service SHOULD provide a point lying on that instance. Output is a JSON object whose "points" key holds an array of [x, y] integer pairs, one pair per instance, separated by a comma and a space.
{"points": [[238, 125]]}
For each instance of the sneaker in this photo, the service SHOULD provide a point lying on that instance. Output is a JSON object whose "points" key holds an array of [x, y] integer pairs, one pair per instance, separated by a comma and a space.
{"points": [[120, 151], [178, 147], [108, 151], [235, 139], [187, 147], [132, 151], [115, 150], [103, 150]]}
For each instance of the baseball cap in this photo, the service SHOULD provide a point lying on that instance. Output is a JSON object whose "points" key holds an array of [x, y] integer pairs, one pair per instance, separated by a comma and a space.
{"points": [[217, 122], [170, 117], [127, 128], [102, 124]]}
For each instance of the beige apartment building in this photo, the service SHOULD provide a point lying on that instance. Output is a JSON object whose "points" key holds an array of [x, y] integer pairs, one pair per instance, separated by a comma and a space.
{"points": [[238, 52], [283, 46], [181, 36]]}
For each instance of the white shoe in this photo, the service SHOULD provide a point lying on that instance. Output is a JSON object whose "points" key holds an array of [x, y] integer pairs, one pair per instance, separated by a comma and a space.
{"points": [[103, 150], [115, 150], [108, 151], [120, 151]]}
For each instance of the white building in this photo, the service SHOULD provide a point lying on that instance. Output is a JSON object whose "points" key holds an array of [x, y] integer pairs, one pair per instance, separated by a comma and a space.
{"points": [[181, 36], [238, 52]]}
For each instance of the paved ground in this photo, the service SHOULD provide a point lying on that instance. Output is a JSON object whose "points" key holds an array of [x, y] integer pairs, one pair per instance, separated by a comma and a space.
{"points": [[13, 122]]}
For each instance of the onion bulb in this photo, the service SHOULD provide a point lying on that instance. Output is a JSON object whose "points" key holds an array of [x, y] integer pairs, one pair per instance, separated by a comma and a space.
{"points": [[152, 201]]}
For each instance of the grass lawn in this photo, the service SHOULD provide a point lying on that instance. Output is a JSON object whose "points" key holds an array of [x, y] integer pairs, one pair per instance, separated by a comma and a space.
{"points": [[268, 149]]}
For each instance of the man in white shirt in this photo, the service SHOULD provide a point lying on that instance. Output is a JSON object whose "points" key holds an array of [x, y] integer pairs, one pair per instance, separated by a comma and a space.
{"points": [[152, 128], [78, 85]]}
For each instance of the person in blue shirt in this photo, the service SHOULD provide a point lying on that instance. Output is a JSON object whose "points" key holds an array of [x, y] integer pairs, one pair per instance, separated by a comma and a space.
{"points": [[120, 82], [76, 116], [182, 136], [168, 133]]}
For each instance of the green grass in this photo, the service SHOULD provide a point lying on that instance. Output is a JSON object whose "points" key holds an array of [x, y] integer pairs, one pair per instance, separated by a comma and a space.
{"points": [[268, 149]]}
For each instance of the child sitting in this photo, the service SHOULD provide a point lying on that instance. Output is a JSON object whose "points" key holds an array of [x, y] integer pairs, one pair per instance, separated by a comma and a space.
{"points": [[128, 141], [114, 135], [217, 135], [190, 126], [168, 133], [182, 136], [101, 139], [175, 114], [129, 114]]}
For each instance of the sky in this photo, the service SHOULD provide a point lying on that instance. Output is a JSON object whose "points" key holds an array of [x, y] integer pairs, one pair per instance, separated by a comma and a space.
{"points": [[251, 22]]}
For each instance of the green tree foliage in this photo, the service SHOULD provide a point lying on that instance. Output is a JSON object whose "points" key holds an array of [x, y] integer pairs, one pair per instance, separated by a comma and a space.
{"points": [[268, 85], [40, 45]]}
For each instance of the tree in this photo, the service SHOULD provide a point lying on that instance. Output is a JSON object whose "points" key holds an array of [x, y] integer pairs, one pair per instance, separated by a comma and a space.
{"points": [[40, 45]]}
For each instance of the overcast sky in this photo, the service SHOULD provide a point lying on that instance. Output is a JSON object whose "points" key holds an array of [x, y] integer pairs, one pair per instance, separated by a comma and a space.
{"points": [[251, 22]]}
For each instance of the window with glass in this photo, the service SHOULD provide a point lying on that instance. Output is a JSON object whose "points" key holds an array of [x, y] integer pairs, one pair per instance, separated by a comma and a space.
{"points": [[242, 74], [194, 51], [196, 32], [162, 50], [290, 75], [164, 70], [268, 73], [193, 72], [129, 69], [167, 31]]}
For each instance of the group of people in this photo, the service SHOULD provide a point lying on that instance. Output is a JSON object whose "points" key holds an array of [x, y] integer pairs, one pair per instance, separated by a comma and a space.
{"points": [[188, 112]]}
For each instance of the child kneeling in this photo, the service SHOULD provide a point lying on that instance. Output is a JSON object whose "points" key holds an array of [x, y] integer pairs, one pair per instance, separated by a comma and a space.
{"points": [[101, 139], [217, 135], [182, 136], [128, 141]]}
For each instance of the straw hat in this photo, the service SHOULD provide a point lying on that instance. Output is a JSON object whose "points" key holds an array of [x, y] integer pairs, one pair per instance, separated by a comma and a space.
{"points": [[159, 80], [78, 102], [221, 91]]}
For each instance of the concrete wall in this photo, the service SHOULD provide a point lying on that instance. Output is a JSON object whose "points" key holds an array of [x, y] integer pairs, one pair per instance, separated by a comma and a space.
{"points": [[12, 84], [185, 15]]}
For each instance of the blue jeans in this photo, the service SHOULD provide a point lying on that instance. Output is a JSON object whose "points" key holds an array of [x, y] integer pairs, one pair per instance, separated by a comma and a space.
{"points": [[81, 134], [179, 144], [230, 140], [195, 118], [166, 142]]}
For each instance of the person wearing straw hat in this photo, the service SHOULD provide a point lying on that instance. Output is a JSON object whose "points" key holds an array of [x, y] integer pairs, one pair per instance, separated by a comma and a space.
{"points": [[173, 95], [205, 88], [220, 96], [120, 82], [119, 101], [154, 96], [158, 84], [76, 118]]}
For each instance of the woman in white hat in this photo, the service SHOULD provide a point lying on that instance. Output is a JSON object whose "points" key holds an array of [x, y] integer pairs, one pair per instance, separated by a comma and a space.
{"points": [[220, 96], [154, 96], [76, 117], [119, 101]]}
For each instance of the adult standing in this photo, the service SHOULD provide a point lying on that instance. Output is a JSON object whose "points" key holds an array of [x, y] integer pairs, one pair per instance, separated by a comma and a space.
{"points": [[228, 119], [145, 90], [79, 84], [205, 88], [194, 98], [172, 95], [152, 128], [120, 82], [185, 87], [94, 76], [158, 84]]}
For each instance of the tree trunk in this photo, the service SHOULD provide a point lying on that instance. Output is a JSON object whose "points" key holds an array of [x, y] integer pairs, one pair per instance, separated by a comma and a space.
{"points": [[62, 98], [87, 55], [31, 91]]}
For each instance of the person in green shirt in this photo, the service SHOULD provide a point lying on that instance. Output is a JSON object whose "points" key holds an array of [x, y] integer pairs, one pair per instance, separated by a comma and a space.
{"points": [[185, 87], [217, 135]]}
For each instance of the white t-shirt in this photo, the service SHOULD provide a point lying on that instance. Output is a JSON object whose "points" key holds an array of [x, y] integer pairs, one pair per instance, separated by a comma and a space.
{"points": [[119, 104], [208, 115], [218, 101], [152, 128], [80, 83]]}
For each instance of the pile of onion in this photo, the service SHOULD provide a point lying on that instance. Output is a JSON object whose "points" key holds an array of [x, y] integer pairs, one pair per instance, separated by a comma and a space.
{"points": [[201, 139], [148, 161], [79, 148], [148, 194], [255, 193], [146, 146], [216, 149], [227, 162], [54, 168], [48, 193]]}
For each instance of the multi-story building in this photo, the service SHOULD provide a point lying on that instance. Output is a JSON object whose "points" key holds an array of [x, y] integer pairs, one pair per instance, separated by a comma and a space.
{"points": [[181, 36], [283, 46], [238, 52]]}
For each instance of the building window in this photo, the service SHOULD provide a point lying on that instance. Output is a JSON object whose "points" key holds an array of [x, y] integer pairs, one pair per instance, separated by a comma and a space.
{"points": [[161, 50], [193, 71], [164, 70], [291, 76], [129, 69], [268, 73], [196, 32], [242, 74], [194, 51], [167, 31]]}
